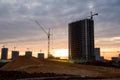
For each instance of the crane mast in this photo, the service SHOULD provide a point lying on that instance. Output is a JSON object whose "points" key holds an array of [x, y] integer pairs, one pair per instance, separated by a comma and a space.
{"points": [[49, 43], [48, 36]]}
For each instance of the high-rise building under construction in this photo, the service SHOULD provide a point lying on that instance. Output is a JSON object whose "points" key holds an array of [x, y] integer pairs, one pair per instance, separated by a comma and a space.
{"points": [[81, 40]]}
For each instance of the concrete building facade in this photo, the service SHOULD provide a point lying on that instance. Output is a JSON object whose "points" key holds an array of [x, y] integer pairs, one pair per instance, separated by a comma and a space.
{"points": [[41, 56], [81, 40], [97, 54], [28, 53], [4, 53], [14, 54]]}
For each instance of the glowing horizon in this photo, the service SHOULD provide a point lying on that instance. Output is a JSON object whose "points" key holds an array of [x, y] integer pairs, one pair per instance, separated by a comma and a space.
{"points": [[63, 53]]}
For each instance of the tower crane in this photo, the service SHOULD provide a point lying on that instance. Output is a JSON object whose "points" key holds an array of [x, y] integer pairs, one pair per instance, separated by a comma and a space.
{"points": [[86, 32], [91, 16], [48, 36]]}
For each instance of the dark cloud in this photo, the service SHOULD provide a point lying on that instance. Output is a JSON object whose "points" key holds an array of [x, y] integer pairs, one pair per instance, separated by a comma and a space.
{"points": [[17, 17]]}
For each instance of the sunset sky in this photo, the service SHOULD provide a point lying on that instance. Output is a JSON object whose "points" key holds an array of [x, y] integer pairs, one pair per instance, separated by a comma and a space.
{"points": [[18, 27]]}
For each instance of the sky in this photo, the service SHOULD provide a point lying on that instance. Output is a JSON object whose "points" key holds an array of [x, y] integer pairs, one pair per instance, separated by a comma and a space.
{"points": [[18, 28]]}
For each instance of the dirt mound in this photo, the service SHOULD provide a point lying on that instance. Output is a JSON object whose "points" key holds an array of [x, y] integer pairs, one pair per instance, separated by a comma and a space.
{"points": [[17, 75], [34, 65], [21, 62]]}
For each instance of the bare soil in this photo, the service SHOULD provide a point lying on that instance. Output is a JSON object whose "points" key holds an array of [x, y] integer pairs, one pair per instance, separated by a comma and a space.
{"points": [[34, 65]]}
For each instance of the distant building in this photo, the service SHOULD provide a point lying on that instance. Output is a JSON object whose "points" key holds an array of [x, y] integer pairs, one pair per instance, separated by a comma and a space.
{"points": [[116, 59], [4, 53], [41, 56], [119, 55], [97, 54], [28, 53], [15, 54], [102, 58], [81, 40]]}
